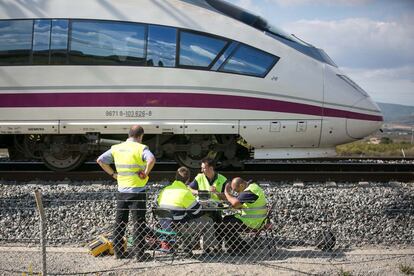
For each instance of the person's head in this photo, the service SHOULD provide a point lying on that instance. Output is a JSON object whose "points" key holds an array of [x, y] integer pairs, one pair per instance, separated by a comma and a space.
{"points": [[183, 174], [136, 132], [207, 166], [238, 184]]}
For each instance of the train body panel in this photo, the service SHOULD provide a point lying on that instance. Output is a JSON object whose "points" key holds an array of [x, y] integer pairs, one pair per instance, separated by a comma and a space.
{"points": [[171, 67]]}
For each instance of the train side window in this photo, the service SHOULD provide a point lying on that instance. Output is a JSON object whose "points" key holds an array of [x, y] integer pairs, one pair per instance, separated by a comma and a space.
{"points": [[41, 41], [15, 41], [162, 42], [198, 50], [247, 60], [59, 41], [107, 43], [227, 52]]}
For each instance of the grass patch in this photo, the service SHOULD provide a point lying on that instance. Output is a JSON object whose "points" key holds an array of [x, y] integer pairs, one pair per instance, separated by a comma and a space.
{"points": [[362, 148], [343, 272], [406, 269]]}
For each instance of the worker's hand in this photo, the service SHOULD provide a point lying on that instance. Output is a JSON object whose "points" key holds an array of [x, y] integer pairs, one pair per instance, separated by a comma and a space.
{"points": [[142, 175], [213, 189], [227, 189]]}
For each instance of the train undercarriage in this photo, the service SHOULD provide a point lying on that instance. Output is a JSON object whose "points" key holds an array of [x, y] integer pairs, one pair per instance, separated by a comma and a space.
{"points": [[68, 152]]}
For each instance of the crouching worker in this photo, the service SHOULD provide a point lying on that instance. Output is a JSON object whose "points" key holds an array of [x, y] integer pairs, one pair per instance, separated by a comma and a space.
{"points": [[251, 201], [185, 212]]}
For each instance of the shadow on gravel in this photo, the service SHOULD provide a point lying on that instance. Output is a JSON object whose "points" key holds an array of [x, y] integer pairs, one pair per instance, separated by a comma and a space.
{"points": [[55, 200], [294, 271], [277, 255], [403, 206]]}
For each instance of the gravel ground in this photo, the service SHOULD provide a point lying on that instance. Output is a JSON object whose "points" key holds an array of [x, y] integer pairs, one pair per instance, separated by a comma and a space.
{"points": [[368, 214], [362, 216], [294, 261]]}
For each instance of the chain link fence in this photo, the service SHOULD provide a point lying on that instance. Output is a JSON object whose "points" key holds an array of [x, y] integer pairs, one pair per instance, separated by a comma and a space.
{"points": [[312, 229]]}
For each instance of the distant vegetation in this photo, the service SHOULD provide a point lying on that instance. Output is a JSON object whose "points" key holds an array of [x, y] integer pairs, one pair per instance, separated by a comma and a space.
{"points": [[385, 148], [397, 113]]}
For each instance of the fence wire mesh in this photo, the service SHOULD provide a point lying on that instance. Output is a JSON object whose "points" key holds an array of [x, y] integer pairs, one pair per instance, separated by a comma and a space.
{"points": [[313, 229]]}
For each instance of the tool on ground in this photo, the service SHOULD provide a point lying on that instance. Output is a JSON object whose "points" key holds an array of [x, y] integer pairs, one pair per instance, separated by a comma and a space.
{"points": [[103, 245]]}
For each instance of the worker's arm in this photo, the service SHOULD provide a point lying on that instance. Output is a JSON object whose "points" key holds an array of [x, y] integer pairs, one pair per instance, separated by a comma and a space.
{"points": [[193, 186], [107, 168], [220, 194], [149, 158], [194, 192], [150, 165], [104, 161], [234, 201]]}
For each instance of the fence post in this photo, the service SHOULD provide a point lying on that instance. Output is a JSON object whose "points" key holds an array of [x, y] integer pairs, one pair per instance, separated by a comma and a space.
{"points": [[41, 211]]}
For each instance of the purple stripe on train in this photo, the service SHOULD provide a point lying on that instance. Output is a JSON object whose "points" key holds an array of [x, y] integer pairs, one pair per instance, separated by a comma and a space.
{"points": [[194, 100]]}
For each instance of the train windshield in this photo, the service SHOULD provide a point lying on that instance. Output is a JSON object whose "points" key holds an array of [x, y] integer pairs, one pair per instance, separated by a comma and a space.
{"points": [[273, 31]]}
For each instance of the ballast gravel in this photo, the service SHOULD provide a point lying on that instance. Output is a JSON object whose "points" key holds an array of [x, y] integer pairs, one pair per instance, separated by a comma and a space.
{"points": [[76, 212]]}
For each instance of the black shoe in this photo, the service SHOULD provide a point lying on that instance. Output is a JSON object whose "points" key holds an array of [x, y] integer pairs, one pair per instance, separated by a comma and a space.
{"points": [[211, 251], [237, 251], [145, 257]]}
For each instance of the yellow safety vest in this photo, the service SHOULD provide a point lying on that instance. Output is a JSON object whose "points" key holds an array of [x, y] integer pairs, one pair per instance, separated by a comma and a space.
{"points": [[204, 185], [253, 214], [128, 162], [178, 198]]}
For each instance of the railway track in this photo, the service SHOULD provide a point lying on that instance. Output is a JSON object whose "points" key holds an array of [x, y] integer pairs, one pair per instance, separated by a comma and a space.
{"points": [[315, 170]]}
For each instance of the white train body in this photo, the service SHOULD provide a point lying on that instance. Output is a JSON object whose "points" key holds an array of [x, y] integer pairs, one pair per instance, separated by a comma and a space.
{"points": [[300, 107]]}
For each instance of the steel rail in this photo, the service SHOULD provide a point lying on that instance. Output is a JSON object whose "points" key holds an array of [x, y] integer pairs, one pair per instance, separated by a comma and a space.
{"points": [[276, 171]]}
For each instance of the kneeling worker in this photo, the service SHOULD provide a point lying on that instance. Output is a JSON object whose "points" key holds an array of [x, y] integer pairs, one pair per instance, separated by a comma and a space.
{"points": [[252, 201], [186, 212]]}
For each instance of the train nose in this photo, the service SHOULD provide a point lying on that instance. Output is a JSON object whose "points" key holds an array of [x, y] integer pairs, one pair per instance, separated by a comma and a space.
{"points": [[364, 123]]}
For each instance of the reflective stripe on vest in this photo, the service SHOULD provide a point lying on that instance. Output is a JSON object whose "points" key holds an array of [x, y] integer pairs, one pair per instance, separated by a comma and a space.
{"points": [[126, 173], [128, 162], [134, 166], [171, 207], [178, 217], [177, 197], [253, 214], [204, 184]]}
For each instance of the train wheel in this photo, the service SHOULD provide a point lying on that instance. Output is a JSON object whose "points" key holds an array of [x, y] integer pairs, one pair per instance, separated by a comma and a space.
{"points": [[63, 162], [32, 144], [197, 147], [63, 155]]}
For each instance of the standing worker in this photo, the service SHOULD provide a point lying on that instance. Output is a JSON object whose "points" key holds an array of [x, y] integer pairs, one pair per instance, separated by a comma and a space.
{"points": [[133, 162]]}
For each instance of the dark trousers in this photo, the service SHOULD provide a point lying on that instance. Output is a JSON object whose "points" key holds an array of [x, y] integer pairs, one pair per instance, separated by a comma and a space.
{"points": [[217, 219], [230, 231], [136, 204]]}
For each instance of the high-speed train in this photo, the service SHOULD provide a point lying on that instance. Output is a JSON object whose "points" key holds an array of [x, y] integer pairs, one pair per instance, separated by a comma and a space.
{"points": [[203, 77]]}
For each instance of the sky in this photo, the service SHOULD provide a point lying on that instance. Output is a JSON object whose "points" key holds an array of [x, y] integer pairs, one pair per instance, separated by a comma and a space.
{"points": [[372, 41]]}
